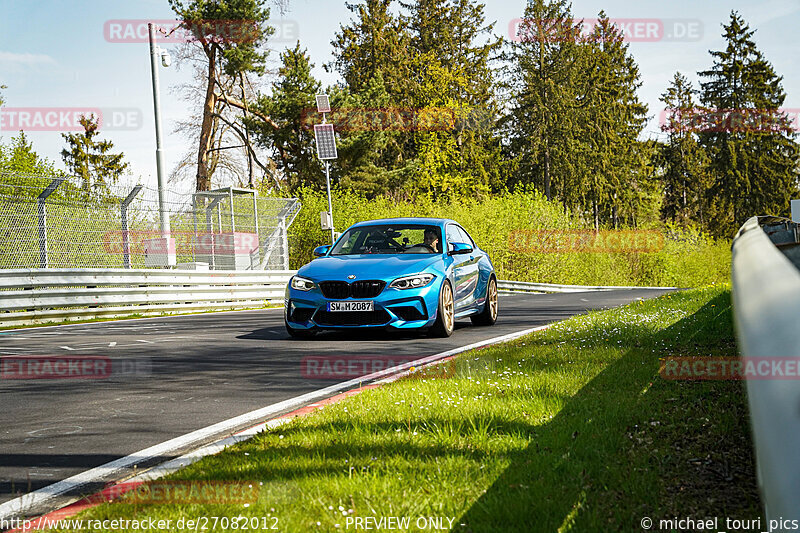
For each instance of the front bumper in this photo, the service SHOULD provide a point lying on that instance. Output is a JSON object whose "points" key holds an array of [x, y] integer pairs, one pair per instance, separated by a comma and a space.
{"points": [[393, 309]]}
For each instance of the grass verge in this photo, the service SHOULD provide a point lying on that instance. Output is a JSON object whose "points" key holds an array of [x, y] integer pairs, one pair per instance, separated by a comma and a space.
{"points": [[133, 316], [569, 429]]}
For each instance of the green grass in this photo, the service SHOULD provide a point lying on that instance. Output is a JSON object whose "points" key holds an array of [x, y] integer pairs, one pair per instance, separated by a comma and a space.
{"points": [[130, 317], [569, 429]]}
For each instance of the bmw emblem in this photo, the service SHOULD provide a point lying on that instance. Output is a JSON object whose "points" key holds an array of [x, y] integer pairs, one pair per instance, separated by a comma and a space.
{"points": [[351, 276]]}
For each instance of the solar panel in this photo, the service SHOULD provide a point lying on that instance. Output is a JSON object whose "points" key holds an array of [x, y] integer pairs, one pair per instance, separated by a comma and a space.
{"points": [[326, 141], [323, 104]]}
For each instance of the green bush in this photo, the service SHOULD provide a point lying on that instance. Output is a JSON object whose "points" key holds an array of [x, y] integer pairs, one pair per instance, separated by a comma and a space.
{"points": [[688, 258]]}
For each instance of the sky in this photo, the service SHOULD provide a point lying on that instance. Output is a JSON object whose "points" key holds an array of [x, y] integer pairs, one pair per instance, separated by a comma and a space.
{"points": [[64, 56]]}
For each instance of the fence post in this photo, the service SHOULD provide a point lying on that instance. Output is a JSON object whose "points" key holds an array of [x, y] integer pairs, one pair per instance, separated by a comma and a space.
{"points": [[42, 211], [284, 243], [210, 225], [126, 247]]}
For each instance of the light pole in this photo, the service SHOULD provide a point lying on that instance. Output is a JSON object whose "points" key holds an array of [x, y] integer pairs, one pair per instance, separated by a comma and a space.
{"points": [[326, 149], [155, 52]]}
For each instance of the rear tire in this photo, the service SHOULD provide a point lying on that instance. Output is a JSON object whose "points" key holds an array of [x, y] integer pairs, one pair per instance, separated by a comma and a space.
{"points": [[488, 316], [445, 316], [299, 333]]}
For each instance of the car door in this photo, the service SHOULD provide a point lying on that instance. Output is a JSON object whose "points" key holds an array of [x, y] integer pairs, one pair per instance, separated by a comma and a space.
{"points": [[470, 270], [460, 267]]}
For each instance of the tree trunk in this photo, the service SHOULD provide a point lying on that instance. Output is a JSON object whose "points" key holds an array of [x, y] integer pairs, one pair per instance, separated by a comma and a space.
{"points": [[203, 179], [547, 171]]}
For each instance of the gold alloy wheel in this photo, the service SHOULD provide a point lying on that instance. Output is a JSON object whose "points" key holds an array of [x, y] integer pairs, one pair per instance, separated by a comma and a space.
{"points": [[448, 313], [493, 302]]}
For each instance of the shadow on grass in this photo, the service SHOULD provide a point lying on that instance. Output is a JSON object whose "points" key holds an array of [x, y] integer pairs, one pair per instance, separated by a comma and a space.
{"points": [[615, 451]]}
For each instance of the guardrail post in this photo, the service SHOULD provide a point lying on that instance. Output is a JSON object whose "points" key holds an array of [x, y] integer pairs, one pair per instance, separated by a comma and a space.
{"points": [[126, 248], [41, 206]]}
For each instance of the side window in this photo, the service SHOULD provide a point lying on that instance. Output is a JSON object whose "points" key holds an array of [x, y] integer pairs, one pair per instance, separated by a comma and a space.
{"points": [[466, 238], [453, 235]]}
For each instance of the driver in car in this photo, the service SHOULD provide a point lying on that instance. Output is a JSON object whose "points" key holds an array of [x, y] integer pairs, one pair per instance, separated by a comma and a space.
{"points": [[431, 240]]}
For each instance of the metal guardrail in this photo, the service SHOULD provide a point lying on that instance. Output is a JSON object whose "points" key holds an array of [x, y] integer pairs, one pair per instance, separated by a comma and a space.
{"points": [[523, 286], [766, 302], [34, 296]]}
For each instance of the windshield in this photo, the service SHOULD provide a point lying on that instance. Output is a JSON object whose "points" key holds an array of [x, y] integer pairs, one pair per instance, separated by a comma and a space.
{"points": [[390, 239]]}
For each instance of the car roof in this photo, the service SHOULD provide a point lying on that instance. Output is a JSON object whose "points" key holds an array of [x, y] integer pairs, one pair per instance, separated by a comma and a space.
{"points": [[407, 220]]}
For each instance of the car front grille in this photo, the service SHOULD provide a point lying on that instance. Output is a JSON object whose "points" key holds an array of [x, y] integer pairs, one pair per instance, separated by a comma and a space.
{"points": [[339, 290], [366, 289], [351, 318]]}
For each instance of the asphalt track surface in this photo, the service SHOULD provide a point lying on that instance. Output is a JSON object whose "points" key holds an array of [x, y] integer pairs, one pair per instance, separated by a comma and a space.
{"points": [[175, 375]]}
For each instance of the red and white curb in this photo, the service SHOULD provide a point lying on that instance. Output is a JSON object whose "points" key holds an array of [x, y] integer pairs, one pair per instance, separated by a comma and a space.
{"points": [[29, 504]]}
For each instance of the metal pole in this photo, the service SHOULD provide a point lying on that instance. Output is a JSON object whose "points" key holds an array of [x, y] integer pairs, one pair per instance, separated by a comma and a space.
{"points": [[330, 207], [284, 243], [42, 211], [233, 220], [126, 247], [164, 217], [194, 225], [328, 184], [210, 236]]}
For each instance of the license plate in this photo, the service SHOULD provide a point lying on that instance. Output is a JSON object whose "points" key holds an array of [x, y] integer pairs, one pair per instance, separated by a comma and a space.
{"points": [[351, 306]]}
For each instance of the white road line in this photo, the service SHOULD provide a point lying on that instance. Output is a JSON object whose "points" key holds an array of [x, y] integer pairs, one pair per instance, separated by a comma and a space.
{"points": [[144, 341], [38, 499], [68, 348]]}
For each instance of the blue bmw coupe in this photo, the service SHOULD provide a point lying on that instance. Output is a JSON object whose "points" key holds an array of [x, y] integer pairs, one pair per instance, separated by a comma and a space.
{"points": [[398, 273]]}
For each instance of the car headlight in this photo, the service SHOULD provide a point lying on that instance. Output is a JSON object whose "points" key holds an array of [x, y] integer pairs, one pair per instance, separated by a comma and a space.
{"points": [[412, 282], [302, 284]]}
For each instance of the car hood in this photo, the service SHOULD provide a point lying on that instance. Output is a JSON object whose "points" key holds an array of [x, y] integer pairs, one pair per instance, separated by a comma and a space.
{"points": [[367, 266]]}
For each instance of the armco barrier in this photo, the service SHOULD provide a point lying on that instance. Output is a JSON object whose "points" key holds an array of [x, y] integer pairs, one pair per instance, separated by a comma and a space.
{"points": [[524, 286], [34, 296], [766, 303]]}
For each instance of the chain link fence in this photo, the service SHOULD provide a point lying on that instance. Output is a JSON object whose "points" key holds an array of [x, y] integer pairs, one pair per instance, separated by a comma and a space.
{"points": [[65, 223]]}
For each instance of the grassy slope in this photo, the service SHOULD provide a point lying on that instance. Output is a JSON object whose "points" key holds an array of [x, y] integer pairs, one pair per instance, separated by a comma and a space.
{"points": [[570, 429]]}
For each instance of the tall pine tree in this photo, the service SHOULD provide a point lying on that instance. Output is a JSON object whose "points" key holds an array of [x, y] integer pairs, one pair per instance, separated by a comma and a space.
{"points": [[614, 160], [754, 165], [291, 107], [92, 159], [685, 177], [547, 90], [231, 34], [454, 50]]}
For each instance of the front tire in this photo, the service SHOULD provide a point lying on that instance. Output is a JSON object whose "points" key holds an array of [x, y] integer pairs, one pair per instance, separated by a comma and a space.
{"points": [[446, 316], [298, 333], [488, 316]]}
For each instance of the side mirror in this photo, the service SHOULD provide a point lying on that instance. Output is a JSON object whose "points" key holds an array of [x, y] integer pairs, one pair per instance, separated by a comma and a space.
{"points": [[319, 251], [458, 248]]}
